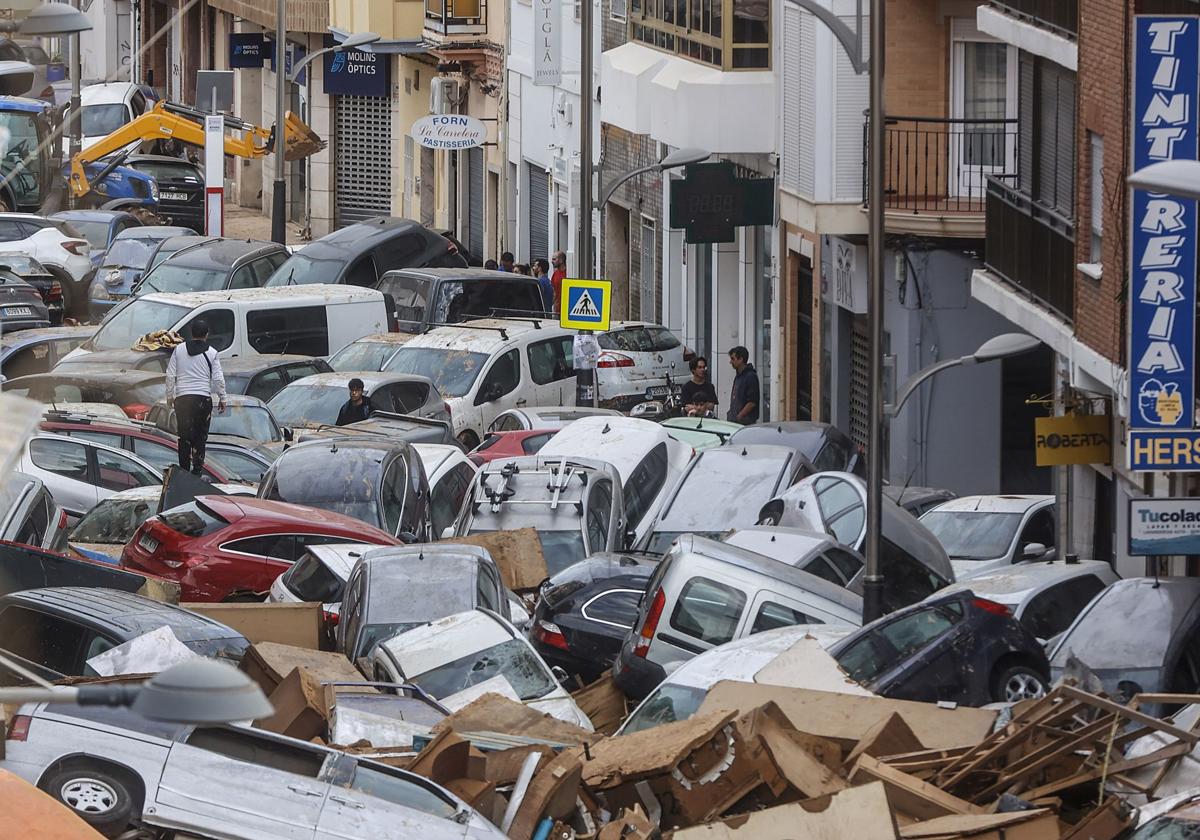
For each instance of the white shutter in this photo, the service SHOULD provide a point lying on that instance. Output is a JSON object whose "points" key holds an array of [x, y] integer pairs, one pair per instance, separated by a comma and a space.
{"points": [[790, 90], [851, 98], [808, 104], [362, 158]]}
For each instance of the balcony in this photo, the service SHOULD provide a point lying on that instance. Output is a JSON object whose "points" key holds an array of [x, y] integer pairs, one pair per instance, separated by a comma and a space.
{"points": [[1059, 16], [456, 17], [936, 171], [1031, 247]]}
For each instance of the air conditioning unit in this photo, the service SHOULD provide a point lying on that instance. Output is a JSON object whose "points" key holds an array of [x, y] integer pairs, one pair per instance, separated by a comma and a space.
{"points": [[443, 95]]}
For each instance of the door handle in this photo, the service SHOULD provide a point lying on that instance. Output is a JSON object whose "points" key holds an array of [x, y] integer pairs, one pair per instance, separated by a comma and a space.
{"points": [[303, 791], [521, 401], [349, 803]]}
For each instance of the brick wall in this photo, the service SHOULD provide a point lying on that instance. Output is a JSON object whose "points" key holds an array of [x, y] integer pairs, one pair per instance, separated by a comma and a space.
{"points": [[917, 62], [622, 151], [1103, 109]]}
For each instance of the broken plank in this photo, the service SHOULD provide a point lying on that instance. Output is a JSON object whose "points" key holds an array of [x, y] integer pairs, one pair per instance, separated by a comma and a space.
{"points": [[1114, 768], [907, 794]]}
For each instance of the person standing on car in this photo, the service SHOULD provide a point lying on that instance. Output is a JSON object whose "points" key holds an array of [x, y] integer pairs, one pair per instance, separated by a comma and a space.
{"points": [[698, 395], [743, 400], [193, 376], [358, 407]]}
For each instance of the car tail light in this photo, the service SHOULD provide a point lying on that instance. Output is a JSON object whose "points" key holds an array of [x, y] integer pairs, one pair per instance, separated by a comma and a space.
{"points": [[136, 411], [451, 248], [78, 247], [62, 519], [54, 292], [549, 633], [614, 360], [642, 647], [18, 727], [331, 617], [688, 353], [992, 607]]}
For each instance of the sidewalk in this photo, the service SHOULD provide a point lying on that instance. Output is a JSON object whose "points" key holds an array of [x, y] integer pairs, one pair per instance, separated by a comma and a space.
{"points": [[250, 223]]}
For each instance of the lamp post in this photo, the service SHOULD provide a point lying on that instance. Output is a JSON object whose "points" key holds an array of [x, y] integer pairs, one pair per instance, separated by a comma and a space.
{"points": [[279, 190], [1179, 178], [674, 160]]}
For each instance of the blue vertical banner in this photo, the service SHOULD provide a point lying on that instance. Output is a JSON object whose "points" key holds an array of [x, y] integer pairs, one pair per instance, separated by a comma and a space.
{"points": [[1162, 287]]}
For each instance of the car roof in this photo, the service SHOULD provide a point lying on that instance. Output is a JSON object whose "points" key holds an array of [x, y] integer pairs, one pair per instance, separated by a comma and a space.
{"points": [[486, 335], [359, 237], [106, 93], [560, 414], [1002, 503], [151, 232], [127, 612], [367, 444], [23, 337], [434, 455], [222, 253], [467, 556], [124, 376], [318, 292], [23, 103], [397, 338], [340, 558], [796, 541], [91, 215], [602, 437], [241, 364], [453, 273], [370, 379], [241, 400], [1014, 584]]}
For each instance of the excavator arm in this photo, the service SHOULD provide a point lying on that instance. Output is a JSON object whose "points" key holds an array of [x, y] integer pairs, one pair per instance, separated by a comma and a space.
{"points": [[168, 121]]}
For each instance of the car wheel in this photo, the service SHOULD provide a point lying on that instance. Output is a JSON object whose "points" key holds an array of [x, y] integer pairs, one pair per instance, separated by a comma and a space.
{"points": [[1017, 682], [102, 799], [468, 439]]}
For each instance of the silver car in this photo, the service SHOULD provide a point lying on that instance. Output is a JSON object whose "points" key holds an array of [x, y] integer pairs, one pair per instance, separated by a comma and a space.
{"points": [[113, 769], [79, 473], [29, 514], [316, 400]]}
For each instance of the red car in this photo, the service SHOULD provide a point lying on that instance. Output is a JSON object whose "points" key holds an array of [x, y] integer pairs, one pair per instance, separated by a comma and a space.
{"points": [[152, 445], [231, 548], [499, 445]]}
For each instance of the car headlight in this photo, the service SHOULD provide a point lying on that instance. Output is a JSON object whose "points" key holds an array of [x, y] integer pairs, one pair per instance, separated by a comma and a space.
{"points": [[154, 190]]}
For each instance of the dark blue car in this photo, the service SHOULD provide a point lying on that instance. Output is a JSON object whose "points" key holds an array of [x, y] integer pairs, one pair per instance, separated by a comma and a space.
{"points": [[99, 228], [124, 265]]}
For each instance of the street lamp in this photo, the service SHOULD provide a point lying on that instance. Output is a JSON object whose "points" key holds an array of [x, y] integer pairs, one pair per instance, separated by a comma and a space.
{"points": [[673, 160], [278, 192], [1174, 177], [998, 347], [195, 691]]}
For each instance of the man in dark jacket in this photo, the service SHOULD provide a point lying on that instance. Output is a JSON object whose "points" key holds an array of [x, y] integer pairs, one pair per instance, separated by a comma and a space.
{"points": [[743, 401], [358, 407]]}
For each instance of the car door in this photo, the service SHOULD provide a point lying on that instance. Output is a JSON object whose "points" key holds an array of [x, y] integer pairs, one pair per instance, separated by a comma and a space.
{"points": [[374, 800], [551, 370], [918, 656], [228, 781], [62, 465], [707, 613], [500, 388], [267, 384], [117, 471]]}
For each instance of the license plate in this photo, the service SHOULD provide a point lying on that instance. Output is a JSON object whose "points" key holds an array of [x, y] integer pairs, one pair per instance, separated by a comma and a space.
{"points": [[18, 310], [658, 391], [173, 196], [147, 542]]}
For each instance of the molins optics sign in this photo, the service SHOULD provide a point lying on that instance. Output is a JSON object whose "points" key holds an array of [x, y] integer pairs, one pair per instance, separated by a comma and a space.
{"points": [[1162, 288]]}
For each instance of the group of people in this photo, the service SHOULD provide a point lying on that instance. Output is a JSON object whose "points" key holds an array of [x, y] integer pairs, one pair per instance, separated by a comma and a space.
{"points": [[549, 274], [699, 397]]}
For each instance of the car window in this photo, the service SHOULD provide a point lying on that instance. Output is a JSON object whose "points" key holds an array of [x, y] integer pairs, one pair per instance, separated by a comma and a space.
{"points": [[644, 484], [391, 496], [220, 327], [551, 360], [662, 338], [158, 455], [485, 591], [1052, 611], [351, 613], [303, 369], [708, 610], [115, 471], [911, 632], [106, 438], [390, 785], [1039, 529], [501, 378], [276, 546], [447, 497], [267, 384], [10, 231], [33, 529], [507, 422], [772, 615], [303, 330], [818, 565], [49, 641], [847, 564], [362, 272], [629, 340], [32, 359], [842, 509], [400, 251], [243, 278], [616, 606], [61, 457], [262, 269], [409, 396], [533, 443], [907, 579], [599, 515], [244, 746], [831, 457], [239, 464], [411, 295]]}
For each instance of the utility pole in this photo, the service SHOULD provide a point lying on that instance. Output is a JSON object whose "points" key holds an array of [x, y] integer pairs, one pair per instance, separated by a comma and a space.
{"points": [[279, 190], [585, 259]]}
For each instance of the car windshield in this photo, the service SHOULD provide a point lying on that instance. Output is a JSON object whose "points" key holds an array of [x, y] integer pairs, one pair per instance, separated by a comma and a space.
{"points": [[560, 548], [666, 704], [168, 171], [248, 421], [113, 521], [95, 232], [1127, 626], [973, 535], [99, 120], [301, 269], [168, 277], [343, 482], [511, 659], [126, 325], [362, 355], [308, 405], [311, 580], [129, 253], [452, 371], [1168, 828], [238, 464]]}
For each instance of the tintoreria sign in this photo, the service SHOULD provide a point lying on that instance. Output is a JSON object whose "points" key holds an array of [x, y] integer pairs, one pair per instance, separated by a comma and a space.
{"points": [[1162, 287]]}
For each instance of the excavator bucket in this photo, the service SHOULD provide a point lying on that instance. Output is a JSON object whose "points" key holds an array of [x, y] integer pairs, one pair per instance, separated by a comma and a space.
{"points": [[301, 141]]}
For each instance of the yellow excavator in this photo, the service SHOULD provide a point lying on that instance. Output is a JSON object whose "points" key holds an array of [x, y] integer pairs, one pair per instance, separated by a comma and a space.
{"points": [[172, 121]]}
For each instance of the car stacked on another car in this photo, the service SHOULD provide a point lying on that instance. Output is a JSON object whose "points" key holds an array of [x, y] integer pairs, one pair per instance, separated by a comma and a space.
{"points": [[38, 351], [123, 264], [79, 473], [58, 247], [213, 266]]}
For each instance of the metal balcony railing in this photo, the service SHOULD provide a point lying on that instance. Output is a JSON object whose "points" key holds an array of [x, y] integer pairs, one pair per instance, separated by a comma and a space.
{"points": [[938, 165], [1059, 16], [1031, 247]]}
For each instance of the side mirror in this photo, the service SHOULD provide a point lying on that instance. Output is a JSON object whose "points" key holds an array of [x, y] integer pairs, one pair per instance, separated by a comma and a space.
{"points": [[1032, 551], [287, 434], [559, 674], [407, 537]]}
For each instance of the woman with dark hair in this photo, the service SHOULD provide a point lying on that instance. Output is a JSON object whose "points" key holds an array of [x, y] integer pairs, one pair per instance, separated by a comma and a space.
{"points": [[698, 395]]}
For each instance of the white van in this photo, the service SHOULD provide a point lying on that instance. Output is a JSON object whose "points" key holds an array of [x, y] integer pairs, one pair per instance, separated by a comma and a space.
{"points": [[304, 320]]}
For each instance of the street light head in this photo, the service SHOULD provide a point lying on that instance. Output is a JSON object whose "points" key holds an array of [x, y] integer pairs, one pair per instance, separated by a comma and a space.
{"points": [[1174, 177], [54, 19], [201, 691], [683, 157], [1003, 346], [358, 39]]}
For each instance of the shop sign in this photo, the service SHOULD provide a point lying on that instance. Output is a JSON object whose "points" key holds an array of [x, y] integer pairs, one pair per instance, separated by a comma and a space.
{"points": [[547, 42], [449, 131], [1162, 288], [247, 49], [1073, 439], [1160, 527], [356, 73]]}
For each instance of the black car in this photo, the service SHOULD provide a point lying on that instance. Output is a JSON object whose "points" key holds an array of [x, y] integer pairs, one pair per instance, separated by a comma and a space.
{"points": [[21, 305], [585, 611], [956, 648], [917, 500], [169, 247], [40, 277], [359, 254], [428, 296], [266, 376], [180, 188], [828, 447], [133, 390], [54, 631], [215, 265]]}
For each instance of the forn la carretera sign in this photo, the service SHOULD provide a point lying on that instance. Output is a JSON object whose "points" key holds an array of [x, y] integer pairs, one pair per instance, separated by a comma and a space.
{"points": [[449, 131], [1162, 288]]}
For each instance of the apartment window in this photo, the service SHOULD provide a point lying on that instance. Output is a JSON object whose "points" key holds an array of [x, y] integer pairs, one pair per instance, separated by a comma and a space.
{"points": [[728, 34], [464, 15], [1096, 149], [1047, 138], [647, 269], [618, 10]]}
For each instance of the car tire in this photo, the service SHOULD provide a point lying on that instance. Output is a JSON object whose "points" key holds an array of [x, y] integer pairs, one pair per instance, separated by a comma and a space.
{"points": [[468, 439], [100, 798], [1017, 682]]}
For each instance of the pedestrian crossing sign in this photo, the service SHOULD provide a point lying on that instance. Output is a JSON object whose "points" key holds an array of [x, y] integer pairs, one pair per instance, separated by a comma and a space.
{"points": [[585, 304]]}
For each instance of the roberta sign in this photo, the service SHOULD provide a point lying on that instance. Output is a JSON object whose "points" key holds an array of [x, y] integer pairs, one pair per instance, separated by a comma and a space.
{"points": [[449, 131]]}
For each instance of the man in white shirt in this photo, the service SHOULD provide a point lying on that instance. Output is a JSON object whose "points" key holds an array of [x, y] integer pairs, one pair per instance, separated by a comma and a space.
{"points": [[193, 376]]}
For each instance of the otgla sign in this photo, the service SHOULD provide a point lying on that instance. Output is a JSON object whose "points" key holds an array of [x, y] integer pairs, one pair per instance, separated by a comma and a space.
{"points": [[449, 131]]}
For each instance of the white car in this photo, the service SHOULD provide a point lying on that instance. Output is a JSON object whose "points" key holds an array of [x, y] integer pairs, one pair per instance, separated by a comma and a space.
{"points": [[544, 417], [55, 245], [982, 533], [80, 473], [450, 473], [648, 460], [490, 365], [635, 360], [319, 575], [106, 107], [462, 656]]}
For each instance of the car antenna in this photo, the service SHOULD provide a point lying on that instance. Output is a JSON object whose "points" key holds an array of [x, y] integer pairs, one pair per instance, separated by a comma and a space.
{"points": [[291, 277]]}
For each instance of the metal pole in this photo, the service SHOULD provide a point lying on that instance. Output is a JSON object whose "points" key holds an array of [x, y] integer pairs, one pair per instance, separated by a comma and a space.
{"points": [[279, 190], [76, 126], [873, 579], [586, 259]]}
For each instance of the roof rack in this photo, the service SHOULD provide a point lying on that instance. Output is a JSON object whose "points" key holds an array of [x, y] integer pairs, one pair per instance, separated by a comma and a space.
{"points": [[560, 473], [467, 325]]}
